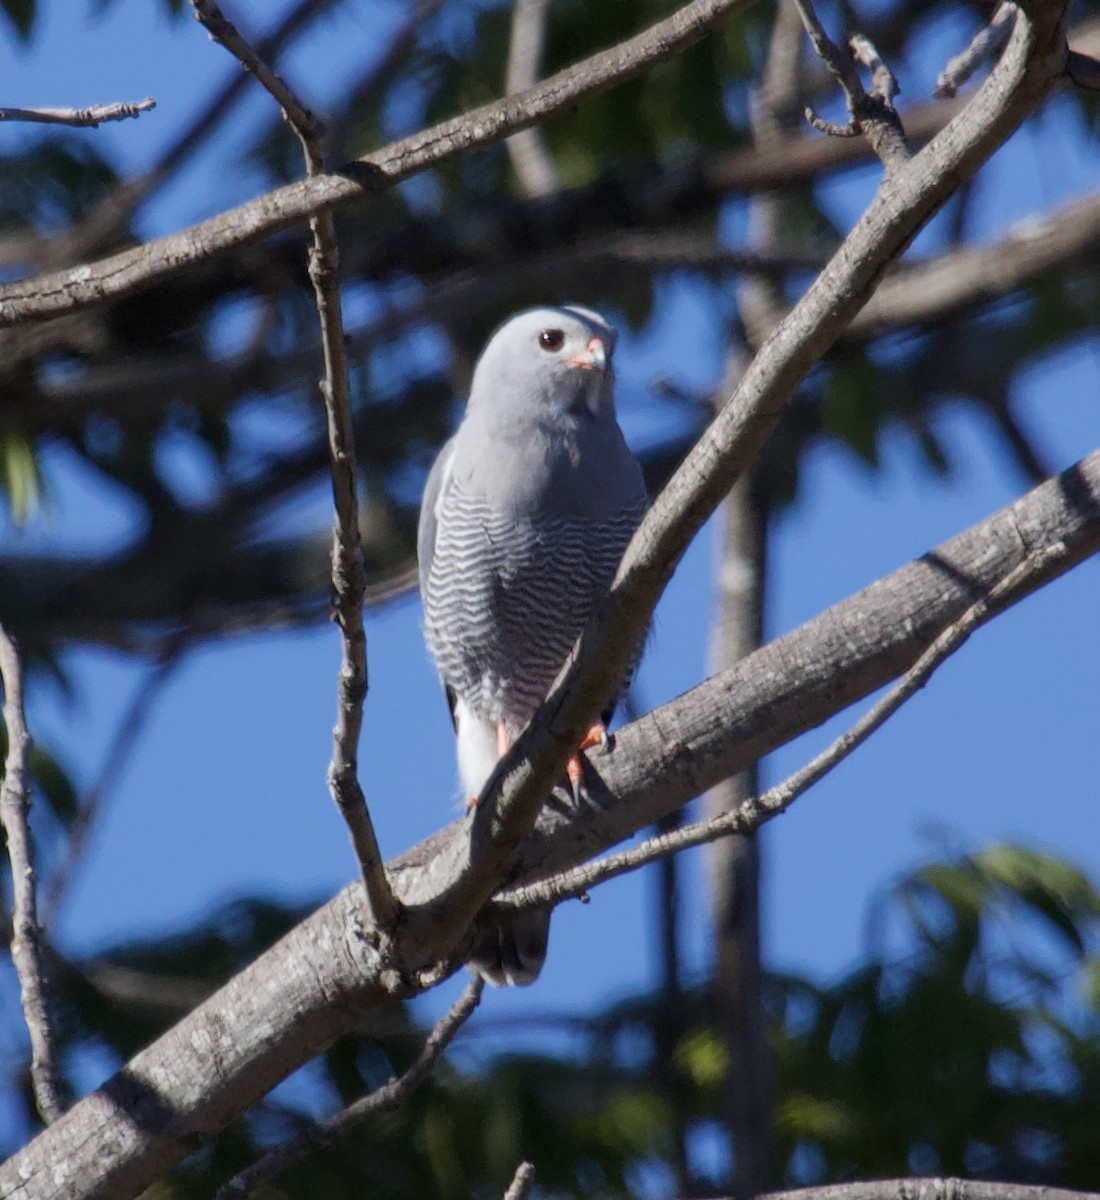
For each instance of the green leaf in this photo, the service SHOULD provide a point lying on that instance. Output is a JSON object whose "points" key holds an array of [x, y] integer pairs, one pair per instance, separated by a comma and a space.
{"points": [[19, 475]]}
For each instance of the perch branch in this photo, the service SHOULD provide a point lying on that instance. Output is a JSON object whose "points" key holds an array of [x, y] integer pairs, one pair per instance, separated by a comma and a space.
{"points": [[754, 812]]}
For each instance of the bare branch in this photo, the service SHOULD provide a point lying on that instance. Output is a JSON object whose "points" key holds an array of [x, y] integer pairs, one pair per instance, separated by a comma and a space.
{"points": [[940, 1188], [531, 159], [348, 570], [298, 116], [522, 1182], [389, 1095], [132, 270], [750, 815], [26, 935], [884, 85], [984, 48], [325, 977], [871, 114], [97, 114], [937, 289]]}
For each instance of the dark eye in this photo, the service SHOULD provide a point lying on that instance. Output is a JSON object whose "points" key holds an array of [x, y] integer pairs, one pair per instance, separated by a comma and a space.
{"points": [[552, 339]]}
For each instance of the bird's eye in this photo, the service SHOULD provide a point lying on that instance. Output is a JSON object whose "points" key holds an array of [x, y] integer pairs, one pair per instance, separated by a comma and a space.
{"points": [[552, 339]]}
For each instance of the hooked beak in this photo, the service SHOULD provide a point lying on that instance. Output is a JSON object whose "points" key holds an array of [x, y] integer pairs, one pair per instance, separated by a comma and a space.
{"points": [[593, 359]]}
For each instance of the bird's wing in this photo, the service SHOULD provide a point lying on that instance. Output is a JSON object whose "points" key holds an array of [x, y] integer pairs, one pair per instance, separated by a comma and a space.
{"points": [[435, 496]]}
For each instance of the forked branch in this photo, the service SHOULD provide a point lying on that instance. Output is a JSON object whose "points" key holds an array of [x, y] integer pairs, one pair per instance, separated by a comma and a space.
{"points": [[348, 570]]}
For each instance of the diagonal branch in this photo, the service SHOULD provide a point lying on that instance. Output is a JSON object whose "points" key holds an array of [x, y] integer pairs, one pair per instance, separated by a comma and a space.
{"points": [[348, 570], [133, 270], [750, 815], [26, 935], [389, 1095], [522, 1182]]}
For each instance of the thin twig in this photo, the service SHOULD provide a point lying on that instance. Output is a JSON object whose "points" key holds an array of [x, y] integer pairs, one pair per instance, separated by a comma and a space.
{"points": [[348, 569], [522, 1182], [531, 160], [755, 811], [389, 1095], [97, 114], [871, 114], [986, 45], [26, 935], [122, 744]]}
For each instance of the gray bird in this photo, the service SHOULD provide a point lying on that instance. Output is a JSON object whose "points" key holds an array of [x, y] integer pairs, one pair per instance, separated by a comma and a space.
{"points": [[525, 517]]}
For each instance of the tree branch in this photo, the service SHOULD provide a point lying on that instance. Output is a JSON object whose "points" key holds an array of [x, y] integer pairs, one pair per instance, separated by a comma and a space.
{"points": [[348, 570], [522, 1182], [97, 114], [748, 816], [987, 43], [389, 1095], [26, 936], [530, 157], [325, 976], [931, 1189], [130, 271]]}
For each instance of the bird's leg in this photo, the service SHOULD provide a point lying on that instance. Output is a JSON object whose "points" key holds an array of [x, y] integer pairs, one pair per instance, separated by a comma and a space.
{"points": [[574, 768], [504, 744]]}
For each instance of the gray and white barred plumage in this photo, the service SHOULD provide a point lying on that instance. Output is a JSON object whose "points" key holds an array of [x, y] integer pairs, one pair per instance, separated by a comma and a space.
{"points": [[525, 518]]}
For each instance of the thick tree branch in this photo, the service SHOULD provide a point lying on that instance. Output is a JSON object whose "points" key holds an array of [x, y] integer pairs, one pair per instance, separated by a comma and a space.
{"points": [[348, 569], [389, 1095], [748, 816], [325, 976], [26, 936], [132, 270]]}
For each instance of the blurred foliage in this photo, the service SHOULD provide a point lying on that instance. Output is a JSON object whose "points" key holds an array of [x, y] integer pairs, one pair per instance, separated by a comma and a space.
{"points": [[967, 1042]]}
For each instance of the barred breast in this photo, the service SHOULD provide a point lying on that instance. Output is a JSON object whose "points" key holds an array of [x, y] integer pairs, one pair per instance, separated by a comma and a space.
{"points": [[506, 599]]}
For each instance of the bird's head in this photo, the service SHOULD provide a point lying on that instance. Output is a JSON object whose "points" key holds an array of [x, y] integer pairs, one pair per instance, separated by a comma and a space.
{"points": [[548, 363]]}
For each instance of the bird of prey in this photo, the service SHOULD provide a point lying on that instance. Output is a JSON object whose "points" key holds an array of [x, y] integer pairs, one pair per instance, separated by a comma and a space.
{"points": [[525, 517]]}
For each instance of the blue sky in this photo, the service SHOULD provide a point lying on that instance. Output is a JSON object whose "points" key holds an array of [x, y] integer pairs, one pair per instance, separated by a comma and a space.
{"points": [[225, 795]]}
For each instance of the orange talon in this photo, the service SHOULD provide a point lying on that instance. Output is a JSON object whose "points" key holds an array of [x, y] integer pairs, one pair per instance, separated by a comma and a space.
{"points": [[574, 768], [596, 736]]}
